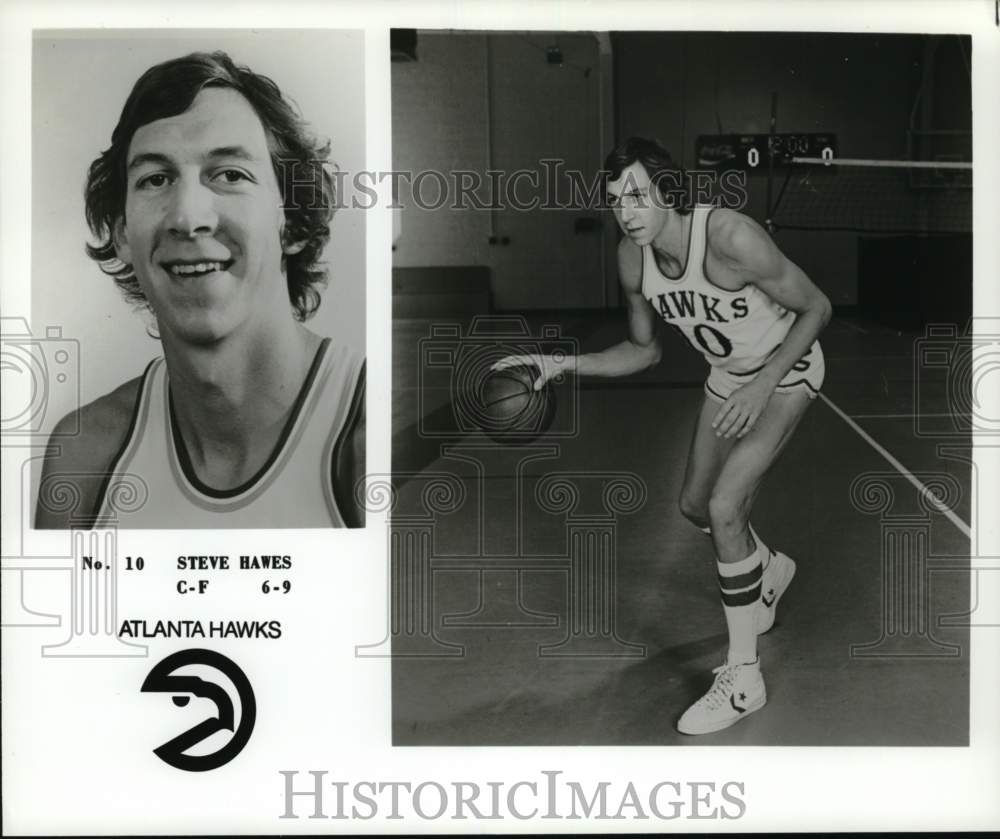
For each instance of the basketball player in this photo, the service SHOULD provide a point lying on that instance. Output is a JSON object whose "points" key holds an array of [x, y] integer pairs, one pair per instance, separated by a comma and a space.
{"points": [[716, 276], [248, 419]]}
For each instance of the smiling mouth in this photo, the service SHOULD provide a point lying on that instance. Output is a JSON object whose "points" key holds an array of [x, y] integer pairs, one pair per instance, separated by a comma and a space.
{"points": [[196, 269]]}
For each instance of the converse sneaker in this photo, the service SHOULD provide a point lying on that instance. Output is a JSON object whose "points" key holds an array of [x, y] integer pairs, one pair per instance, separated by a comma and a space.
{"points": [[777, 576], [738, 690]]}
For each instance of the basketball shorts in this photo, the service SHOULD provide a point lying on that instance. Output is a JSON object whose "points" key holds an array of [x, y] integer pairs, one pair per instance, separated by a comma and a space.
{"points": [[807, 375]]}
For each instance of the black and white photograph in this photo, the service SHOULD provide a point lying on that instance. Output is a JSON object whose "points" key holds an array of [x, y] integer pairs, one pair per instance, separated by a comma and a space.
{"points": [[682, 401], [192, 265], [538, 415]]}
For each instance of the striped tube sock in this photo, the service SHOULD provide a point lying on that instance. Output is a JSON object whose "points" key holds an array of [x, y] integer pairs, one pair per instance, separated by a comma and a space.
{"points": [[740, 586]]}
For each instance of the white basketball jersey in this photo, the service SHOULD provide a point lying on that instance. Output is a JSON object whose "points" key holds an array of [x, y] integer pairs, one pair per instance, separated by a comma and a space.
{"points": [[294, 488], [735, 330]]}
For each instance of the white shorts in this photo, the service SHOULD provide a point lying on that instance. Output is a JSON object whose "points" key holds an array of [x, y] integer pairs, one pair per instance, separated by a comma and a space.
{"points": [[807, 375]]}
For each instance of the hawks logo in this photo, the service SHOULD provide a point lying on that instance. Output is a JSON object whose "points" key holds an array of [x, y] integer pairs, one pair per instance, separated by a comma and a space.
{"points": [[164, 679]]}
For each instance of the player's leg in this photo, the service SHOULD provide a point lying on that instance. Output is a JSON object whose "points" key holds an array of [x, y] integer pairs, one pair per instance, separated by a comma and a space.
{"points": [[739, 688], [742, 557], [706, 457], [740, 478]]}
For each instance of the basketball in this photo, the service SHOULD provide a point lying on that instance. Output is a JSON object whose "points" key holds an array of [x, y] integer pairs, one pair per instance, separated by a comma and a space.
{"points": [[511, 410]]}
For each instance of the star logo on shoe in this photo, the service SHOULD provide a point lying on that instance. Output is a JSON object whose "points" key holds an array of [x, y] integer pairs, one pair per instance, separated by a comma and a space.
{"points": [[768, 598], [732, 701]]}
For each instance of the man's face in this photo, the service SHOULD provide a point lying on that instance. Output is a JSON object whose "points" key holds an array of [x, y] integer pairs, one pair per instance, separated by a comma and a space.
{"points": [[203, 220], [638, 208]]}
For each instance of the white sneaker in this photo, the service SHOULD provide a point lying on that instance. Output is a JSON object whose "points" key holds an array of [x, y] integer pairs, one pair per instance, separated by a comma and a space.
{"points": [[777, 576], [738, 690]]}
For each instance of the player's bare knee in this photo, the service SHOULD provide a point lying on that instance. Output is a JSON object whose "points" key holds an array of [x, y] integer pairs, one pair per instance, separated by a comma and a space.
{"points": [[727, 511], [694, 510]]}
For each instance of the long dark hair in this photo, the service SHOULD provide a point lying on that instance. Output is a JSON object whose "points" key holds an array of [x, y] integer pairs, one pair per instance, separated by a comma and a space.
{"points": [[670, 179], [298, 160]]}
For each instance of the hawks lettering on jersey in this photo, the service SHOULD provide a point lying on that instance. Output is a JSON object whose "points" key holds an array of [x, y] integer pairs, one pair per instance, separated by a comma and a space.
{"points": [[736, 330], [687, 305], [674, 305]]}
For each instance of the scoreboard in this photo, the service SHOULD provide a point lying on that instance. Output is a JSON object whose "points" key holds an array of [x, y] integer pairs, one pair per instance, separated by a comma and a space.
{"points": [[751, 152]]}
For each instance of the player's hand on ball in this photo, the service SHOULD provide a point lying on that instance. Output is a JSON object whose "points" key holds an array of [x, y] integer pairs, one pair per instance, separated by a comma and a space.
{"points": [[548, 366], [740, 412]]}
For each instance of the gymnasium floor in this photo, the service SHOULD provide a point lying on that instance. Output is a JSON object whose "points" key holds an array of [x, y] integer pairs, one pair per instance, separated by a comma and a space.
{"points": [[501, 691]]}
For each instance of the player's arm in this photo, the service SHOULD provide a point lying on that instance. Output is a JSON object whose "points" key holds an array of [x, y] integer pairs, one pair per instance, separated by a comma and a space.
{"points": [[75, 467], [748, 251], [640, 350], [642, 347], [349, 461]]}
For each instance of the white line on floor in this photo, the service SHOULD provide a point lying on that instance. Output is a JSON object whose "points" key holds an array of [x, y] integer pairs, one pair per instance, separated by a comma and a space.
{"points": [[947, 512], [963, 414]]}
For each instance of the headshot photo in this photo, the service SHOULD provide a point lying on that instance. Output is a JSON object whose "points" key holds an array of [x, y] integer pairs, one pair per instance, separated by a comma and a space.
{"points": [[192, 251]]}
